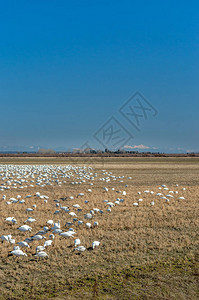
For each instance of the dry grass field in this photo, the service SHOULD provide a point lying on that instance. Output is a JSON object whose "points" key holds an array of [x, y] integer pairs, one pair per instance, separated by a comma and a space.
{"points": [[145, 252]]}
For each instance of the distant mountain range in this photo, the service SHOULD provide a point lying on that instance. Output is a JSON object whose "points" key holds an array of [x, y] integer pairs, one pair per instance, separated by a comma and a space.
{"points": [[29, 149], [139, 148], [15, 149]]}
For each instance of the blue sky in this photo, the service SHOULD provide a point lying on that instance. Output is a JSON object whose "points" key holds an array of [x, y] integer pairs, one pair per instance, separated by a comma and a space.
{"points": [[66, 67]]}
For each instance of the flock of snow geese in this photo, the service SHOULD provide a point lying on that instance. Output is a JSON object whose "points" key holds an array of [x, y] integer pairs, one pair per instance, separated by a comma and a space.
{"points": [[13, 178]]}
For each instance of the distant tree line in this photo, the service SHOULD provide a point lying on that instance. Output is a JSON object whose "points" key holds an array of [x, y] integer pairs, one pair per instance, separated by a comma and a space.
{"points": [[95, 153]]}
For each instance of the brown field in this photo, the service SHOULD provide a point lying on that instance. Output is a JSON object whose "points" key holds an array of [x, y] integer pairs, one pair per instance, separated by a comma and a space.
{"points": [[146, 252]]}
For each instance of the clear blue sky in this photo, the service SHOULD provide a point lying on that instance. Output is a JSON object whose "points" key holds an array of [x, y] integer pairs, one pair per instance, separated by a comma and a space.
{"points": [[66, 67]]}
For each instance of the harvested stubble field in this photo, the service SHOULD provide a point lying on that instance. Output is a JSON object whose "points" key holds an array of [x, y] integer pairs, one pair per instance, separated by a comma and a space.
{"points": [[145, 252]]}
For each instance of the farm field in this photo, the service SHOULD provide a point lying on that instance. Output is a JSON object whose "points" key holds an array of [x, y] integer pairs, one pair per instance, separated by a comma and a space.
{"points": [[149, 248]]}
